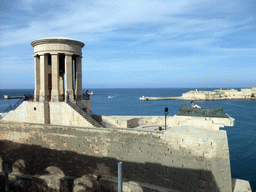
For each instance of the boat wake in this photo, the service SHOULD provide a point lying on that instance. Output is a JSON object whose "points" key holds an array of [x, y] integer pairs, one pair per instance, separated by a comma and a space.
{"points": [[112, 96]]}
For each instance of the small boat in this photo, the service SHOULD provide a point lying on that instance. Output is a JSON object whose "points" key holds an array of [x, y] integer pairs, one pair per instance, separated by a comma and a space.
{"points": [[91, 93]]}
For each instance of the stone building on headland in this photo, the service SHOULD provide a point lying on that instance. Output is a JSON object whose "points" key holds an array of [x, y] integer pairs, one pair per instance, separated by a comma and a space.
{"points": [[54, 143], [220, 94]]}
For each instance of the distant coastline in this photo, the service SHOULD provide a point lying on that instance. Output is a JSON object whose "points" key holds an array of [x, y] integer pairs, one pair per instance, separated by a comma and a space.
{"points": [[219, 94]]}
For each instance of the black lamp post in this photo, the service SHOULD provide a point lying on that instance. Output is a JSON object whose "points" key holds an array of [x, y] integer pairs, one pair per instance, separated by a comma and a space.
{"points": [[166, 113]]}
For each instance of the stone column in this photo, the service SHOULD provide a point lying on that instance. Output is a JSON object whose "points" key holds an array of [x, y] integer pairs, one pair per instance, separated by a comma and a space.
{"points": [[37, 77], [44, 92], [79, 89], [55, 97], [61, 87], [68, 77]]}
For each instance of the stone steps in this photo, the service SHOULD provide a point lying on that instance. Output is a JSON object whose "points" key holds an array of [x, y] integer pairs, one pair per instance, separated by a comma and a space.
{"points": [[84, 115]]}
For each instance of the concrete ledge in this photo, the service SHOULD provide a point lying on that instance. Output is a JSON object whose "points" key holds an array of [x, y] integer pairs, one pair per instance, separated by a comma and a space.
{"points": [[239, 185]]}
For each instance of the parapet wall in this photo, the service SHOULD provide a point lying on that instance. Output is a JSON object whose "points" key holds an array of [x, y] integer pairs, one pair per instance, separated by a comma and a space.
{"points": [[182, 158], [60, 113], [29, 112], [213, 123], [56, 113]]}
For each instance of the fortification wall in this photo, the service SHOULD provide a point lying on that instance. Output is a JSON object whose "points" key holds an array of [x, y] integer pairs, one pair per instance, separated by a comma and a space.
{"points": [[182, 158], [220, 94]]}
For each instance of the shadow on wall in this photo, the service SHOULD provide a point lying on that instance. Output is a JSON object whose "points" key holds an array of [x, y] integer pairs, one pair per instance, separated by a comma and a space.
{"points": [[33, 159]]}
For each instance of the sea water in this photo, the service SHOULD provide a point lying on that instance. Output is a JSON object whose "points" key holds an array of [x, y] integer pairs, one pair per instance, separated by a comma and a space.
{"points": [[241, 137]]}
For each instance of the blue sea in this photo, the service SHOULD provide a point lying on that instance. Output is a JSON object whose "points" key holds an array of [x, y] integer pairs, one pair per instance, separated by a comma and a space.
{"points": [[241, 137]]}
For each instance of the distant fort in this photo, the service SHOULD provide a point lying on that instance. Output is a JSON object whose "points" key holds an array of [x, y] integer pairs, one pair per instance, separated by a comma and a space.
{"points": [[210, 95]]}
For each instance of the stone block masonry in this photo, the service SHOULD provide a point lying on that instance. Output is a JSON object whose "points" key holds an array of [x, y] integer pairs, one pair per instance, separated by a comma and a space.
{"points": [[30, 112], [56, 113], [182, 158], [212, 123]]}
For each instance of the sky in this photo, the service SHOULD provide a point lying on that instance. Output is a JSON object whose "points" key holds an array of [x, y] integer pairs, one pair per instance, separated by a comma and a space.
{"points": [[136, 43]]}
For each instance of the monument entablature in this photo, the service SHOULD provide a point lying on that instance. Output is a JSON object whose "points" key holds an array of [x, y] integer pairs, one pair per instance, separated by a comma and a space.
{"points": [[57, 45]]}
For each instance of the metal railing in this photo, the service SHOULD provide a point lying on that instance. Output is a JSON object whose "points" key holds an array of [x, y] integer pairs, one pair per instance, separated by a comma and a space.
{"points": [[14, 106]]}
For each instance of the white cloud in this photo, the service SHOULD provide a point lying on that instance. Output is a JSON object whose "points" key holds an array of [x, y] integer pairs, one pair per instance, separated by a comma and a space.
{"points": [[105, 17], [98, 20]]}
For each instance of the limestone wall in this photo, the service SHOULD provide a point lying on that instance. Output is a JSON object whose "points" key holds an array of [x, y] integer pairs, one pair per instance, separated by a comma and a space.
{"points": [[56, 113], [30, 112], [194, 94], [183, 158], [63, 114], [212, 123]]}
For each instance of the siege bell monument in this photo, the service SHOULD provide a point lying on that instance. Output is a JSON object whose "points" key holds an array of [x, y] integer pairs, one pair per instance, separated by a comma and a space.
{"points": [[58, 69], [58, 76]]}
